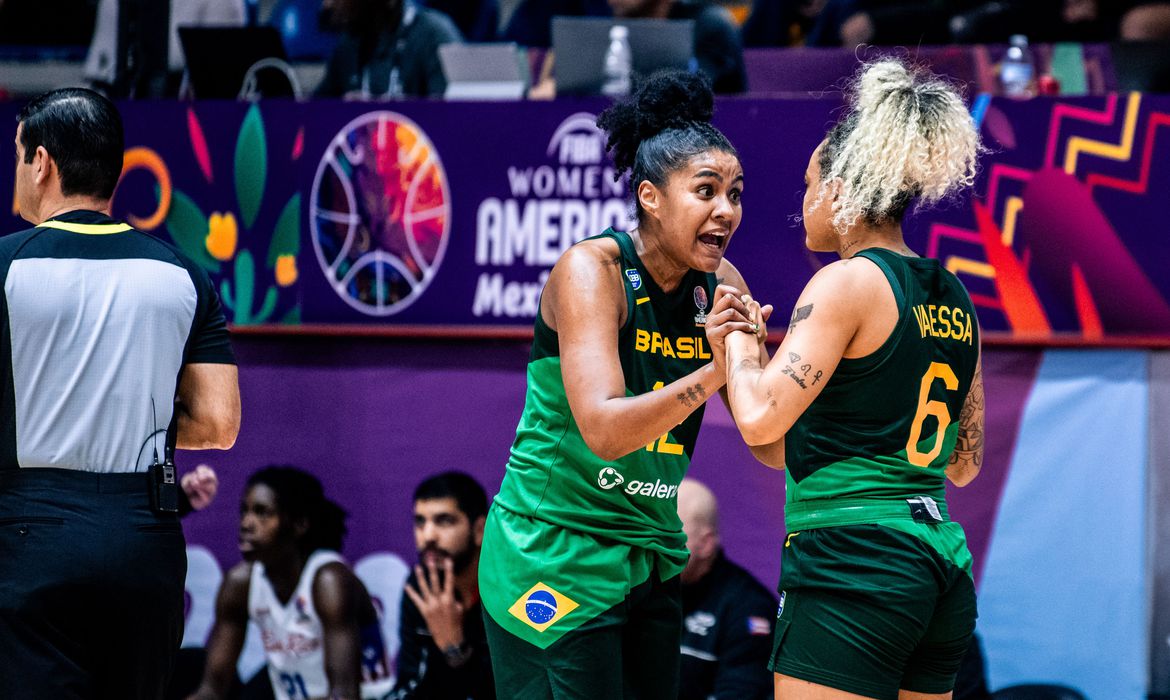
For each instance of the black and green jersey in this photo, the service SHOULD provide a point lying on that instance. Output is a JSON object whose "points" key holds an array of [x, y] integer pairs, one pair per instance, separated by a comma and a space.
{"points": [[554, 482], [882, 430]]}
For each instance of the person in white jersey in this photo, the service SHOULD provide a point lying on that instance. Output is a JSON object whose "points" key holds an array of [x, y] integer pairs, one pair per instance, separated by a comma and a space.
{"points": [[316, 619]]}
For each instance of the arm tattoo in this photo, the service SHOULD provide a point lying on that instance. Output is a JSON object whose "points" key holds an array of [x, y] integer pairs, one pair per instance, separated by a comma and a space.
{"points": [[970, 438], [799, 315], [795, 376], [692, 396]]}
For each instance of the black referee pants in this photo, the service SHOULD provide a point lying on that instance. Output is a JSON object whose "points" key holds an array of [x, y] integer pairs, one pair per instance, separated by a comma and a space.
{"points": [[91, 587]]}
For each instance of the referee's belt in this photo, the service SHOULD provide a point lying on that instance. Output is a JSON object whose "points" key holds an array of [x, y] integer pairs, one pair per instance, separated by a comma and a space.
{"points": [[76, 480], [835, 512]]}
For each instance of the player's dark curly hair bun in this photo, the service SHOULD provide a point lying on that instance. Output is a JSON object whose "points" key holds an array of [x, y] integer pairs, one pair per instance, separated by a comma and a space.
{"points": [[661, 126]]}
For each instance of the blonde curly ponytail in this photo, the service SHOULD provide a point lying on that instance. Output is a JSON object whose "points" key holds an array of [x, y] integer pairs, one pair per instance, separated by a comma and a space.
{"points": [[907, 135]]}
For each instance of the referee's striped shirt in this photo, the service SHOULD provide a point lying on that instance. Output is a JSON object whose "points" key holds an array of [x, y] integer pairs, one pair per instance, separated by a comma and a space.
{"points": [[96, 322]]}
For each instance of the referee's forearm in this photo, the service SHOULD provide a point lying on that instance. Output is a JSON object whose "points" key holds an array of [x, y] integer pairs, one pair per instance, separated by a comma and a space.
{"points": [[205, 434]]}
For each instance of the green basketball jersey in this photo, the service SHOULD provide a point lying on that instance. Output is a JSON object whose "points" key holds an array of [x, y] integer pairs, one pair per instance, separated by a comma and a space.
{"points": [[555, 485], [885, 425], [552, 475]]}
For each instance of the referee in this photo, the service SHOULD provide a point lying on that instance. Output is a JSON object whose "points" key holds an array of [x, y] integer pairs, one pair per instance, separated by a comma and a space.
{"points": [[113, 351]]}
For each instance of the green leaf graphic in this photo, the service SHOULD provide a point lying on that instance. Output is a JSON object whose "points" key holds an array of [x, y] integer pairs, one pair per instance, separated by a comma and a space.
{"points": [[267, 307], [188, 228], [286, 239], [251, 165], [245, 280], [293, 316]]}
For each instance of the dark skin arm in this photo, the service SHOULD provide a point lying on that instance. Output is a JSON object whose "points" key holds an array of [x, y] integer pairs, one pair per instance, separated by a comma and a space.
{"points": [[584, 301], [227, 635], [336, 598]]}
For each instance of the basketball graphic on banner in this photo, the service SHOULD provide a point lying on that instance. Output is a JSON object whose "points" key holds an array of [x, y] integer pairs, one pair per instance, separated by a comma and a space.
{"points": [[380, 213]]}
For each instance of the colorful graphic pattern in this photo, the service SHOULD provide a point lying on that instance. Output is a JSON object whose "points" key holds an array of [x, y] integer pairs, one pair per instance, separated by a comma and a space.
{"points": [[1052, 249], [1059, 241], [380, 213]]}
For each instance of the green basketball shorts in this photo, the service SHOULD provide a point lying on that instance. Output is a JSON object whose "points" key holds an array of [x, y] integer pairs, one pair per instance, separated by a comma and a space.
{"points": [[628, 651], [869, 610]]}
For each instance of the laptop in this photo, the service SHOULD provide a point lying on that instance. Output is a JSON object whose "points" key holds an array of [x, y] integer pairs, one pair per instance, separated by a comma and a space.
{"points": [[218, 58], [580, 44], [483, 71]]}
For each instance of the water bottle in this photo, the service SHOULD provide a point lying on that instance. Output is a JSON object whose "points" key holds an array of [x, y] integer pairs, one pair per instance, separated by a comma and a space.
{"points": [[618, 63], [1017, 73]]}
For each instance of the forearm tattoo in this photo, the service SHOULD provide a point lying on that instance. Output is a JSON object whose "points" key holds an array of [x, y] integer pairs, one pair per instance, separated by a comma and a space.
{"points": [[970, 437], [799, 373], [692, 396]]}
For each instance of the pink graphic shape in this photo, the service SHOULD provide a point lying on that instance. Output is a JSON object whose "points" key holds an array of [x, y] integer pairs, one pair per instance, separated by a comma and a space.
{"points": [[1061, 110], [1066, 228], [299, 144], [199, 144], [996, 123], [1142, 184]]}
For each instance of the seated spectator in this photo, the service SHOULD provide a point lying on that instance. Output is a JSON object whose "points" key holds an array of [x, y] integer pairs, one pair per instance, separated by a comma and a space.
{"points": [[390, 49], [531, 22], [300, 29], [1147, 21], [717, 44], [476, 19], [901, 22], [320, 628], [444, 651], [727, 614], [780, 22]]}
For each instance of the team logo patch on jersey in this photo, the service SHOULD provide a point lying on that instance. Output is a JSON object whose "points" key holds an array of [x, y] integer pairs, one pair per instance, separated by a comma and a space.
{"points": [[700, 298], [758, 626], [701, 304], [542, 606], [635, 278], [609, 477]]}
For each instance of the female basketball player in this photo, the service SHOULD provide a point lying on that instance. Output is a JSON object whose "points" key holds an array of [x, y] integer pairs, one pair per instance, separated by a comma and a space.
{"points": [[319, 626], [877, 393], [583, 546]]}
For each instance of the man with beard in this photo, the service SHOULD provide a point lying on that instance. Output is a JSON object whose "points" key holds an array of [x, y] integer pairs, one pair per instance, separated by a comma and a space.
{"points": [[319, 627], [444, 651]]}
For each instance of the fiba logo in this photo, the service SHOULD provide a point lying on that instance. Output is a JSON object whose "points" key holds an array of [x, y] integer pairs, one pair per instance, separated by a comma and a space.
{"points": [[609, 477], [540, 607], [380, 213], [578, 141]]}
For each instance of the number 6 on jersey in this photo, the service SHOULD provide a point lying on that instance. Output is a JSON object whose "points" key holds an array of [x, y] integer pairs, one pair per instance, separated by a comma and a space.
{"points": [[938, 409]]}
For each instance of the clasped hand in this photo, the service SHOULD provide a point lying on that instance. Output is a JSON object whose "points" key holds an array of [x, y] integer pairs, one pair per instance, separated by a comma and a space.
{"points": [[734, 311]]}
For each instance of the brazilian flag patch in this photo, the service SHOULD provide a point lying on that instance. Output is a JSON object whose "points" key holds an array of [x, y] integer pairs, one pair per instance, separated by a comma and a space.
{"points": [[541, 606]]}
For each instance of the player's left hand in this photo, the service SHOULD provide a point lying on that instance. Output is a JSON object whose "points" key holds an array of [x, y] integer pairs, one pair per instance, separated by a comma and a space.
{"points": [[200, 485], [747, 343], [728, 314], [436, 602]]}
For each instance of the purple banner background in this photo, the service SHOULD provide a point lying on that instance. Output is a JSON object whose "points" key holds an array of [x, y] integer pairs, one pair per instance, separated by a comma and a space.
{"points": [[1061, 236]]}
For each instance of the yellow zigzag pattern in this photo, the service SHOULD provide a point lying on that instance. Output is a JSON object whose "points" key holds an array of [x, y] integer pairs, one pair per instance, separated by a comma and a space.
{"points": [[1119, 152]]}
